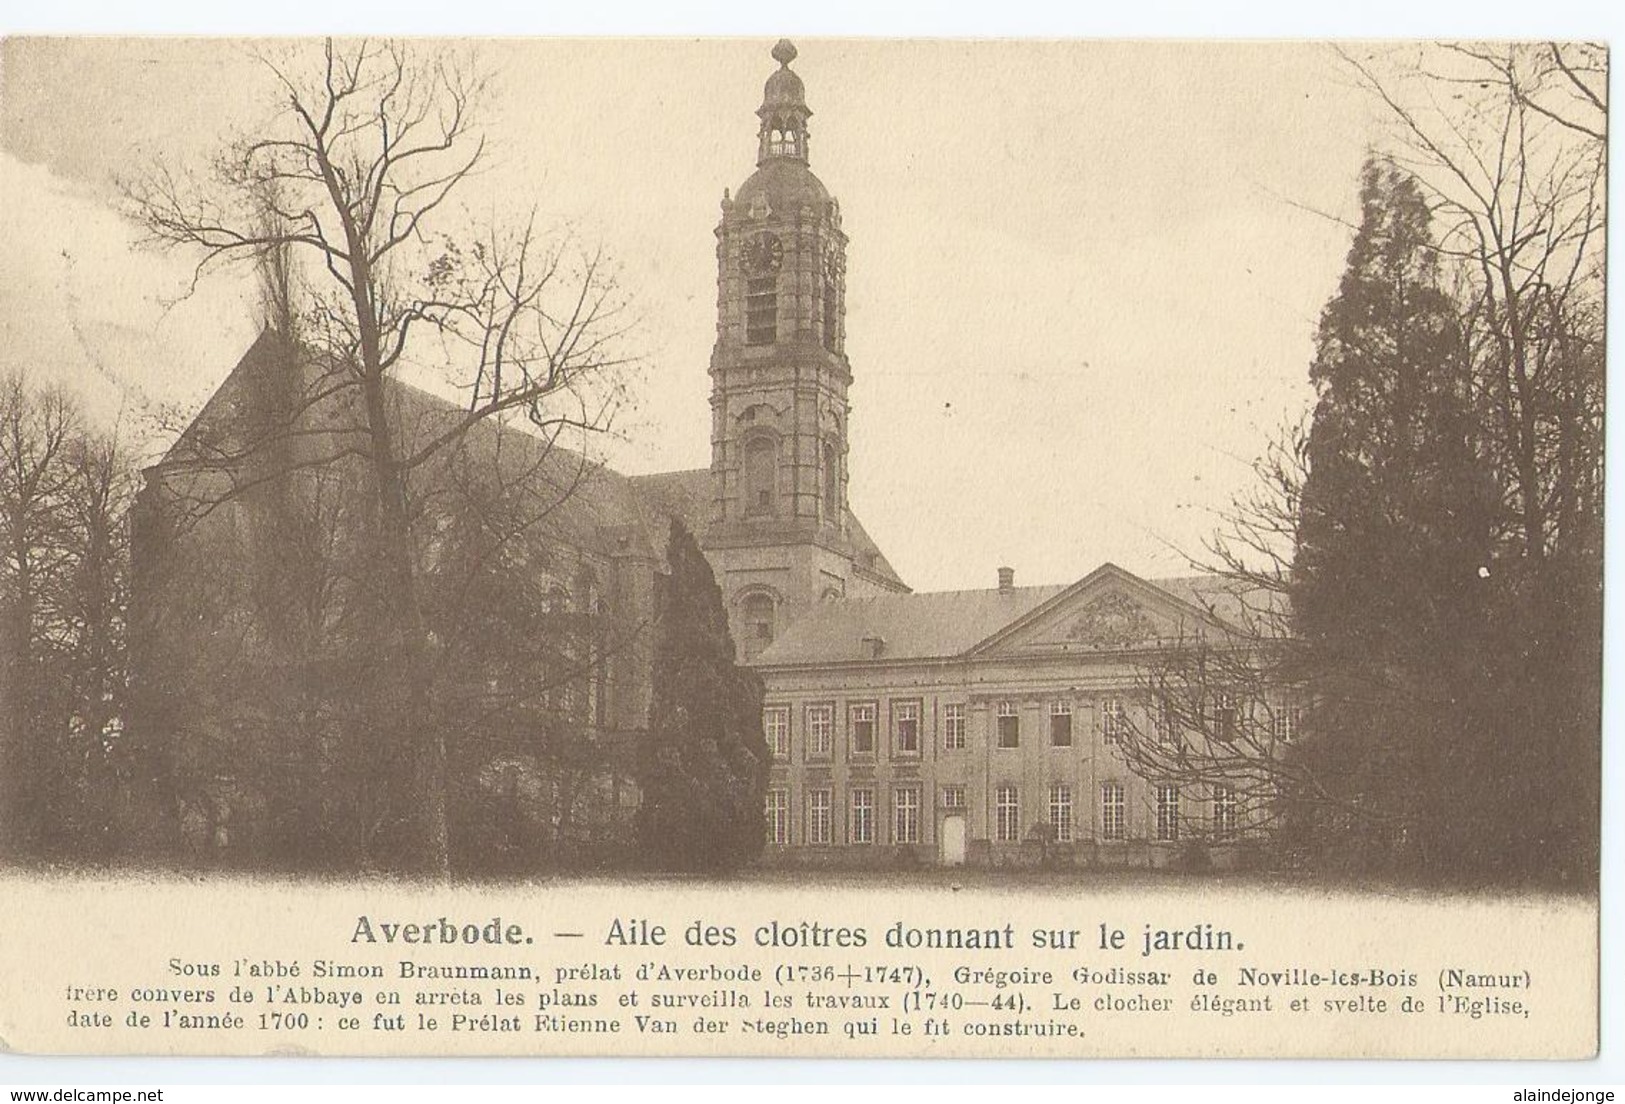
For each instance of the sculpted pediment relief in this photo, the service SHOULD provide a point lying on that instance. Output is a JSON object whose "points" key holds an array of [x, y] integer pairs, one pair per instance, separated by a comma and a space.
{"points": [[1112, 621]]}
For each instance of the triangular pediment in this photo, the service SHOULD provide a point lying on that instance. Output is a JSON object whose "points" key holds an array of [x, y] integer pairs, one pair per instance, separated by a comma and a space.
{"points": [[1109, 610]]}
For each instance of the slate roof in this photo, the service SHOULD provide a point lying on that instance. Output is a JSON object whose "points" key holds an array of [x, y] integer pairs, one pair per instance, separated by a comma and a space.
{"points": [[913, 626], [945, 624]]}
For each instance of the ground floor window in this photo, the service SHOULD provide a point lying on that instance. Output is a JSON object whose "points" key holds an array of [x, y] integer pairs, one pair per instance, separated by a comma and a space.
{"points": [[906, 815], [1224, 813], [863, 816], [778, 817], [1060, 811], [818, 816], [1167, 813], [953, 798], [1112, 809], [1007, 810]]}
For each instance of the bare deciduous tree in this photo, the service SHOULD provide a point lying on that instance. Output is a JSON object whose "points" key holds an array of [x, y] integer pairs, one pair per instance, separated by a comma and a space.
{"points": [[349, 188]]}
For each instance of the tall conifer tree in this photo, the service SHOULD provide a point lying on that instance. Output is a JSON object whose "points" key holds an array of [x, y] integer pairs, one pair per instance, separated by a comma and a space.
{"points": [[704, 766], [1394, 533]]}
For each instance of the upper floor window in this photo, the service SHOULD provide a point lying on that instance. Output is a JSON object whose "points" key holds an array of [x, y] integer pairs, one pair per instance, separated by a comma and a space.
{"points": [[1285, 721], [820, 729], [761, 310], [1009, 723], [861, 723], [761, 475], [953, 726], [776, 728], [905, 726], [1113, 720], [1060, 724], [1224, 716]]}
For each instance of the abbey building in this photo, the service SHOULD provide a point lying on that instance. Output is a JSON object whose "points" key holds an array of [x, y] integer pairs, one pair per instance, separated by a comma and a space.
{"points": [[977, 726]]}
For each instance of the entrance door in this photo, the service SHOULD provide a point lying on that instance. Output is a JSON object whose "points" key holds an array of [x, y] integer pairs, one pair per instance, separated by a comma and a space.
{"points": [[953, 841]]}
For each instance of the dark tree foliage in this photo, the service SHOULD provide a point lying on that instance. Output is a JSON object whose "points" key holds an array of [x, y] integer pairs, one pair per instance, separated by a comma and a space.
{"points": [[1390, 587], [704, 766]]}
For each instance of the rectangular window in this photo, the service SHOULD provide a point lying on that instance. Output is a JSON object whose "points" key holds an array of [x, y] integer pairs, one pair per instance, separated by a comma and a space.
{"points": [[761, 310], [1060, 811], [1224, 717], [861, 724], [1166, 723], [953, 797], [906, 815], [1168, 813], [1060, 724], [863, 816], [1113, 821], [1285, 722], [820, 730], [905, 727], [1009, 725], [776, 728], [1113, 720], [778, 817], [1007, 814], [953, 726], [1224, 813], [818, 816]]}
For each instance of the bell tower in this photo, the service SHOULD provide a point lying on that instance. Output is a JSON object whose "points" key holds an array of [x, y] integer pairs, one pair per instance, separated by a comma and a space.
{"points": [[781, 537], [779, 373]]}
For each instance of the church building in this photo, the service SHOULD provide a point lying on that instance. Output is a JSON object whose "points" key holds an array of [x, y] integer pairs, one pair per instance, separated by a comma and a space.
{"points": [[978, 726]]}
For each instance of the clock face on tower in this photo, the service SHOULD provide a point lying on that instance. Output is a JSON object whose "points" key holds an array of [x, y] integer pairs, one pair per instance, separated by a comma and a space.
{"points": [[764, 253], [833, 263]]}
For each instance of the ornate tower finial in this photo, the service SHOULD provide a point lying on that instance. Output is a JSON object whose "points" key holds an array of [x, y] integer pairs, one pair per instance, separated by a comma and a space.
{"points": [[784, 111]]}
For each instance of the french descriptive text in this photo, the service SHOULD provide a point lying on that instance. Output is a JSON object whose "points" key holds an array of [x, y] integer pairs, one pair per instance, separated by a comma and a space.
{"points": [[779, 979]]}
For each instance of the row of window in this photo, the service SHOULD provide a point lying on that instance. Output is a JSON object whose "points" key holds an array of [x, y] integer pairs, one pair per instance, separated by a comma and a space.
{"points": [[818, 824], [862, 721]]}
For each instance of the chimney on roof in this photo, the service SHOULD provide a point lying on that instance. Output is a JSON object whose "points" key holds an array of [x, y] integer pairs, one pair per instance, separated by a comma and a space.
{"points": [[1007, 580], [876, 646]]}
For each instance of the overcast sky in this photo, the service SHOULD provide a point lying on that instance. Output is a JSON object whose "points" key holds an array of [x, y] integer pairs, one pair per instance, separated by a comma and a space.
{"points": [[1083, 278]]}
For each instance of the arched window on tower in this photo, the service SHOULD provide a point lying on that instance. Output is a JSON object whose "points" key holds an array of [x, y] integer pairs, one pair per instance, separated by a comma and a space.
{"points": [[759, 614], [832, 483], [761, 475]]}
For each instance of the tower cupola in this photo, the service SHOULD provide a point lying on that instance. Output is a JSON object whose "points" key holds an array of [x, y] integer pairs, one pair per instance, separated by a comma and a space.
{"points": [[784, 111]]}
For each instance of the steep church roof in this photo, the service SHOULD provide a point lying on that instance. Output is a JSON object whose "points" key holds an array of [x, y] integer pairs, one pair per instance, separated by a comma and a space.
{"points": [[600, 508]]}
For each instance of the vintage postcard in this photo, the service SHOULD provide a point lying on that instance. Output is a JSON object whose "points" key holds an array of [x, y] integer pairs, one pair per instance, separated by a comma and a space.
{"points": [[827, 548]]}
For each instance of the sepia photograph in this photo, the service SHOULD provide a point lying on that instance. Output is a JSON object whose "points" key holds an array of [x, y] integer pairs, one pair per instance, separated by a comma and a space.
{"points": [[1029, 524]]}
